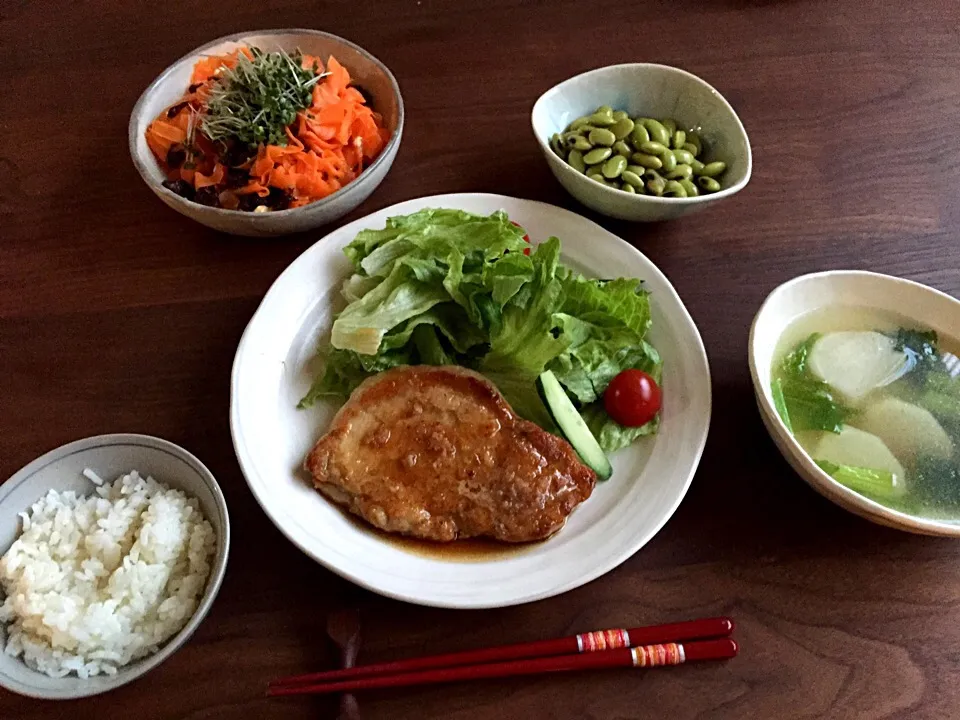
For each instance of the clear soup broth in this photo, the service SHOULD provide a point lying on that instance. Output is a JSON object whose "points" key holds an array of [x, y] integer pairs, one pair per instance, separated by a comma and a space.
{"points": [[875, 401]]}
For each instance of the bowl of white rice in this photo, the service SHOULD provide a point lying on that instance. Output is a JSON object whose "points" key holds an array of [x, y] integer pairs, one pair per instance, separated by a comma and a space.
{"points": [[112, 550]]}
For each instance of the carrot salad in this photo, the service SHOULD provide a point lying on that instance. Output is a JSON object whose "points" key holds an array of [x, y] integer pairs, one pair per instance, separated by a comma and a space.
{"points": [[265, 131]]}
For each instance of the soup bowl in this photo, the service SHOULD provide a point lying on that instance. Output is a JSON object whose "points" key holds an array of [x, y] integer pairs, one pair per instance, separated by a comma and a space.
{"points": [[807, 294]]}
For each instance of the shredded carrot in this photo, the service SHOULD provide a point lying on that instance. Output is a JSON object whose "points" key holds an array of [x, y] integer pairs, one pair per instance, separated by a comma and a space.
{"points": [[214, 178], [207, 67], [328, 145]]}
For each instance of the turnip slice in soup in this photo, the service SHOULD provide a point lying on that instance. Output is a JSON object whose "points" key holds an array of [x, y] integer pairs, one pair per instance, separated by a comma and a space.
{"points": [[860, 449], [906, 428], [855, 362]]}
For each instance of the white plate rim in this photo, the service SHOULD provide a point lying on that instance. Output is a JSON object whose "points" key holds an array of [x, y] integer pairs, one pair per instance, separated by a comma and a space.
{"points": [[453, 200]]}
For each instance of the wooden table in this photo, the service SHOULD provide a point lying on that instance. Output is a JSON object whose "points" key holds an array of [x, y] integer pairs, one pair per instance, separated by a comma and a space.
{"points": [[116, 314]]}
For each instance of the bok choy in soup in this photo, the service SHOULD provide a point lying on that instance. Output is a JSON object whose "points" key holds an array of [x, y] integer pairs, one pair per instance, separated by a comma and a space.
{"points": [[875, 402]]}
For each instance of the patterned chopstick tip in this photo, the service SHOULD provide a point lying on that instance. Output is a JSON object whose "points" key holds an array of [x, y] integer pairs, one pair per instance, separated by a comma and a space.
{"points": [[653, 655], [603, 640]]}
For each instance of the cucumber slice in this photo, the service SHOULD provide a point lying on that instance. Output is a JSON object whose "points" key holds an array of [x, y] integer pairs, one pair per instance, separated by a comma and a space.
{"points": [[573, 426]]}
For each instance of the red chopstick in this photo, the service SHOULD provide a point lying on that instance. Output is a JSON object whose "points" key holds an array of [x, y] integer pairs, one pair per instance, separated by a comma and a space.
{"points": [[583, 643], [641, 656]]}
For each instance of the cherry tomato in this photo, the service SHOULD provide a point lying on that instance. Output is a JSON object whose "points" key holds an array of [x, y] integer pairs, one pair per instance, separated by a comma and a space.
{"points": [[632, 398], [526, 238]]}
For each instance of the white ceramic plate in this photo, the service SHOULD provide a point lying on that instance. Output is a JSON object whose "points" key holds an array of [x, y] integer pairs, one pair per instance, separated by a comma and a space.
{"points": [[274, 367]]}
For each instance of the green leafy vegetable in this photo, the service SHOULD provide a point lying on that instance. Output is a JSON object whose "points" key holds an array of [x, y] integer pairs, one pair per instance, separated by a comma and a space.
{"points": [[930, 384], [935, 482], [609, 433], [780, 403], [803, 401], [941, 397], [623, 301], [256, 100], [526, 337], [879, 485], [920, 345], [449, 287]]}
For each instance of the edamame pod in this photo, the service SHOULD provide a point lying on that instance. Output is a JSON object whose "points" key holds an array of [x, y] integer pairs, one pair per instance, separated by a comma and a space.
{"points": [[708, 183], [647, 161], [597, 155], [613, 167], [575, 160], [601, 136], [622, 128], [681, 172], [684, 157], [713, 169], [674, 189]]}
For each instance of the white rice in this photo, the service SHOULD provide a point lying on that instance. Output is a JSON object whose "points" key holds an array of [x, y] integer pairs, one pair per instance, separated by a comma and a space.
{"points": [[96, 582]]}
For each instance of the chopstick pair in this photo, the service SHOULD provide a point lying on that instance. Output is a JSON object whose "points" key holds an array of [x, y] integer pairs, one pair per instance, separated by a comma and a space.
{"points": [[671, 644]]}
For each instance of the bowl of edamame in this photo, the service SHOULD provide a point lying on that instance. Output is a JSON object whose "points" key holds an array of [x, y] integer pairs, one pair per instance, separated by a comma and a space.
{"points": [[642, 141]]}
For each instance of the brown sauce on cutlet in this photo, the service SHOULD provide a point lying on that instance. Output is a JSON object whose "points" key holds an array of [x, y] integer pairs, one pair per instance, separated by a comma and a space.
{"points": [[463, 551]]}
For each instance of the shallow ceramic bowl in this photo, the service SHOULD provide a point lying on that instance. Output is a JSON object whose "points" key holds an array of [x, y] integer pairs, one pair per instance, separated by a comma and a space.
{"points": [[110, 456], [808, 293], [649, 90], [366, 72]]}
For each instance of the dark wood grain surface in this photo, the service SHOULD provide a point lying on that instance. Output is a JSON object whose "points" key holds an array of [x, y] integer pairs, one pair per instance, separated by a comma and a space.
{"points": [[117, 314]]}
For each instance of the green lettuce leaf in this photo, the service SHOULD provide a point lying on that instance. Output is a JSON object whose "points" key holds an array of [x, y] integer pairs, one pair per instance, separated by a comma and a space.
{"points": [[611, 435], [597, 354], [605, 322], [432, 234], [528, 337], [363, 323], [600, 301], [448, 287]]}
